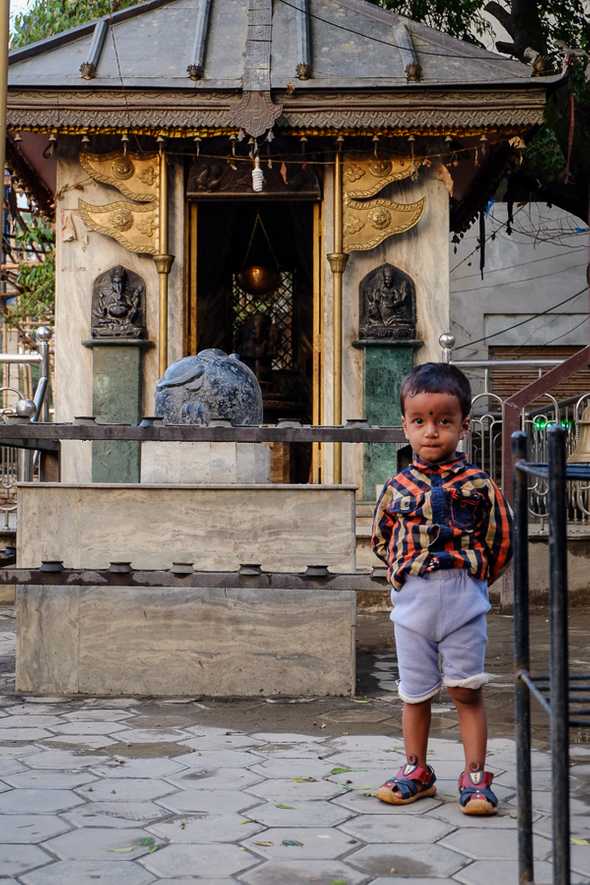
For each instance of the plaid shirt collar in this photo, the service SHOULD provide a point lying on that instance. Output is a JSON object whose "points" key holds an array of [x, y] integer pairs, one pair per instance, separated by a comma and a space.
{"points": [[452, 465]]}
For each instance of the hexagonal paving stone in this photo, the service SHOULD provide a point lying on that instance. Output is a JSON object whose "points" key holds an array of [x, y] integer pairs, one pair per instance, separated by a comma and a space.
{"points": [[579, 826], [32, 709], [392, 760], [116, 814], [10, 767], [126, 790], [38, 801], [15, 859], [377, 828], [299, 814], [23, 734], [222, 779], [207, 828], [288, 768], [219, 801], [231, 741], [298, 843], [22, 721], [278, 737], [190, 881], [502, 871], [279, 790], [73, 872], [365, 803], [484, 844], [403, 881], [13, 752], [542, 802], [152, 736], [90, 727], [62, 760], [220, 758], [141, 768], [408, 860], [365, 743], [363, 778], [98, 715], [84, 741], [318, 872], [100, 844], [506, 819], [196, 860], [26, 829], [49, 780]]}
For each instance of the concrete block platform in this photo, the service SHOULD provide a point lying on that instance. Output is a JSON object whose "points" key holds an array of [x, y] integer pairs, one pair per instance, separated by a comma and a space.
{"points": [[159, 641]]}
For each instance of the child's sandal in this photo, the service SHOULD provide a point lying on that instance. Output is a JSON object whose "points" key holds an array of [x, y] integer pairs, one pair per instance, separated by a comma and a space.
{"points": [[412, 782], [475, 794]]}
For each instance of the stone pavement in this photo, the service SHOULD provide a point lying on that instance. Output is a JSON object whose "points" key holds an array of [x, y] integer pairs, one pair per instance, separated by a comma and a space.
{"points": [[127, 792]]}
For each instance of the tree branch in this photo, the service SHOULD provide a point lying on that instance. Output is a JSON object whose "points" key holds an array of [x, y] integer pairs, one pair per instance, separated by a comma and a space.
{"points": [[500, 14]]}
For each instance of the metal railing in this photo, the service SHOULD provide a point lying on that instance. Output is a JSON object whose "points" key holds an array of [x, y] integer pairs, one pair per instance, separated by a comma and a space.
{"points": [[484, 443], [18, 465]]}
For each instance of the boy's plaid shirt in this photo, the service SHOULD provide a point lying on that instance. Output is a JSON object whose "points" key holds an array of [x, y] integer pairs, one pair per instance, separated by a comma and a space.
{"points": [[442, 516]]}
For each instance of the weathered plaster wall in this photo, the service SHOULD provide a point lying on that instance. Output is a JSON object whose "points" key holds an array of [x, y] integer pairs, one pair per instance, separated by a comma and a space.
{"points": [[423, 253], [78, 263]]}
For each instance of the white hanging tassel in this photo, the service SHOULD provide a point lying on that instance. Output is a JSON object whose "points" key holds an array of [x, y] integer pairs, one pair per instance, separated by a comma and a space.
{"points": [[257, 176]]}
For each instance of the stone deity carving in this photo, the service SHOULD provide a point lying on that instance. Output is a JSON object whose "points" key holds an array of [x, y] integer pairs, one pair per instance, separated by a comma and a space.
{"points": [[118, 305], [387, 304], [211, 385]]}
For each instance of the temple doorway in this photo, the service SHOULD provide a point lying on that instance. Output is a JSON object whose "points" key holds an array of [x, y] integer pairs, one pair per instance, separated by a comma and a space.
{"points": [[253, 291]]}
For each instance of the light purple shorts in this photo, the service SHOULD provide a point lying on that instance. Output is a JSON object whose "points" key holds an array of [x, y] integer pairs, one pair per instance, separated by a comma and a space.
{"points": [[440, 633]]}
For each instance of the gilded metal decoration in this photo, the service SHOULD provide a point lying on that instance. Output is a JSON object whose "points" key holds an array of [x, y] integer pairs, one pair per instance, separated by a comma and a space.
{"points": [[368, 223], [118, 305], [387, 307], [135, 175], [365, 177], [134, 225], [255, 113]]}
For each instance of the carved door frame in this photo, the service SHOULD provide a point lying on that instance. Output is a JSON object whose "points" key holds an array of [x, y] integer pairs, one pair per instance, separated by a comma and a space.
{"points": [[192, 297]]}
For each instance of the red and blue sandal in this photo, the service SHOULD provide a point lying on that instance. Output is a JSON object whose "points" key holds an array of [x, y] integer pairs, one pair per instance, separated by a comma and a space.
{"points": [[475, 793], [412, 782]]}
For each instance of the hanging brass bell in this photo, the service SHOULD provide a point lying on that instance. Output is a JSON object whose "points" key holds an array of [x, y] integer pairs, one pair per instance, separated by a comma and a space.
{"points": [[581, 454], [257, 279]]}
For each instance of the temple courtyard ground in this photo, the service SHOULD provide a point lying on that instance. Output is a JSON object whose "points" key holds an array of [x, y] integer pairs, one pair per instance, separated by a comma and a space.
{"points": [[130, 791]]}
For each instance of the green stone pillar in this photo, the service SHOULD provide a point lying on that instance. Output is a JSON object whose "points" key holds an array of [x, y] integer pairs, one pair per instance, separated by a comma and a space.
{"points": [[387, 363], [117, 374]]}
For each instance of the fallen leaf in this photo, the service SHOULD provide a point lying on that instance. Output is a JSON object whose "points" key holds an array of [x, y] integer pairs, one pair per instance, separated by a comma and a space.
{"points": [[304, 780], [292, 843], [576, 840], [341, 769], [263, 844], [283, 806]]}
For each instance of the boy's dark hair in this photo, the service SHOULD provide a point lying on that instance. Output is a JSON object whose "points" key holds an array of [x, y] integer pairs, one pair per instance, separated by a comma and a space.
{"points": [[437, 378]]}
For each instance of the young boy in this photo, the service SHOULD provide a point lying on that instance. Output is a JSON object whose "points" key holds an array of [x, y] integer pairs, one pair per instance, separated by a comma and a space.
{"points": [[443, 528]]}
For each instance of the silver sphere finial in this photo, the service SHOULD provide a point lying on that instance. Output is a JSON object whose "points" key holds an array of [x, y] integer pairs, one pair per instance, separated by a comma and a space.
{"points": [[43, 333], [447, 341], [25, 408]]}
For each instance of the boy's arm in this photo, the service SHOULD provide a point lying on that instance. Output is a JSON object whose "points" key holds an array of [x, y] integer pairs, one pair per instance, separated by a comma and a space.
{"points": [[498, 533], [382, 525]]}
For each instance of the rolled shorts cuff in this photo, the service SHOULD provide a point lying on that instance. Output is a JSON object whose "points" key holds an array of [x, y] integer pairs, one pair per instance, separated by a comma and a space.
{"points": [[469, 682], [407, 699]]}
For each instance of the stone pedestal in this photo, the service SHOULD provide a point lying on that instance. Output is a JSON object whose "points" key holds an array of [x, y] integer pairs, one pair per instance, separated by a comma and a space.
{"points": [[387, 362], [116, 398], [204, 462], [158, 641]]}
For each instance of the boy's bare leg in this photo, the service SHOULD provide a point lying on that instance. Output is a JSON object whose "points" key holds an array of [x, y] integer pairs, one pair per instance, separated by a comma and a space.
{"points": [[416, 727], [472, 725]]}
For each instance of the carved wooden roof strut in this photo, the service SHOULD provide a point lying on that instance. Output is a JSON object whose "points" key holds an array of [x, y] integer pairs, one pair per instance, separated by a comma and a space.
{"points": [[256, 113], [304, 64], [410, 63], [88, 68], [196, 68]]}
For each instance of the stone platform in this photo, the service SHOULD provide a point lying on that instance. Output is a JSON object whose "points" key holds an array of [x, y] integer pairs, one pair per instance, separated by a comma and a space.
{"points": [[216, 527], [160, 641]]}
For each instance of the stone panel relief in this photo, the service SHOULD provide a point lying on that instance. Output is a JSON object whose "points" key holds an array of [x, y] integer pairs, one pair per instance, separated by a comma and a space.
{"points": [[387, 307], [118, 304]]}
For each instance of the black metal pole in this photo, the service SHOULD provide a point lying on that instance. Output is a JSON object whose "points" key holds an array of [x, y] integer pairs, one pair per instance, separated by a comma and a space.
{"points": [[558, 654], [520, 572]]}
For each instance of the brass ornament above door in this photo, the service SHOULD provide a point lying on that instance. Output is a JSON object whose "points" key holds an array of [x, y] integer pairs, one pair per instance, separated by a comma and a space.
{"points": [[136, 176], [368, 223]]}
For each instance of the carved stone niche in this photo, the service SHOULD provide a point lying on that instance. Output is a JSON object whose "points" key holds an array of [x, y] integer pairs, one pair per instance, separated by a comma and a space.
{"points": [[118, 304], [387, 307]]}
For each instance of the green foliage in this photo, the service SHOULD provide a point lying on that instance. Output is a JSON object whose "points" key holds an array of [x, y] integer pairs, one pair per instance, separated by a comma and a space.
{"points": [[47, 17], [35, 279], [462, 19]]}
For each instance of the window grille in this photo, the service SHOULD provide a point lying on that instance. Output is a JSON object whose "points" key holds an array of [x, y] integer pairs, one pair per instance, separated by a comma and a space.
{"points": [[278, 305]]}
